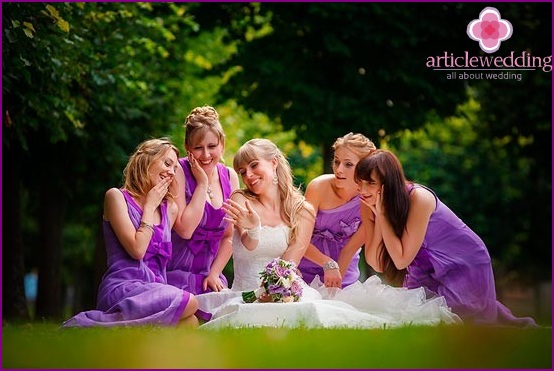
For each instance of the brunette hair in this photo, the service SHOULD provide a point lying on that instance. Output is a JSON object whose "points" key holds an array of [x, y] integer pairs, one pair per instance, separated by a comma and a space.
{"points": [[386, 167]]}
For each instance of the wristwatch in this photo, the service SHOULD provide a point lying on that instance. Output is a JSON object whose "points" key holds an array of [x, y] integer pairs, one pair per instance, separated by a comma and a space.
{"points": [[331, 264]]}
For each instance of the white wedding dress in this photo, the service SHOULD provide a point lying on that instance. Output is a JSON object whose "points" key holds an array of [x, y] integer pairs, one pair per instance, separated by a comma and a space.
{"points": [[371, 304]]}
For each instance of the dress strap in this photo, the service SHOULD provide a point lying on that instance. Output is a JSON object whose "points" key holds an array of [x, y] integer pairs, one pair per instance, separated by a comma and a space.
{"points": [[413, 186]]}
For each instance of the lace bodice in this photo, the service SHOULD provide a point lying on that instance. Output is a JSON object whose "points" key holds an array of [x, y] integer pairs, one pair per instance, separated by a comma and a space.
{"points": [[248, 264]]}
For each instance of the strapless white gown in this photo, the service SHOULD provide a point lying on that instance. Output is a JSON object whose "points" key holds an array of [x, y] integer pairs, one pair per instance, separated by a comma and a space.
{"points": [[371, 304]]}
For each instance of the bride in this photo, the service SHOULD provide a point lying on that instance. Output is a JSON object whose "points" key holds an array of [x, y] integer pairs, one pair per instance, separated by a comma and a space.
{"points": [[272, 219]]}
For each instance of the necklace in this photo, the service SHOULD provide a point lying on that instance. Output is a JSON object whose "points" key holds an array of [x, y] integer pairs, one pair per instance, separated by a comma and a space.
{"points": [[209, 189]]}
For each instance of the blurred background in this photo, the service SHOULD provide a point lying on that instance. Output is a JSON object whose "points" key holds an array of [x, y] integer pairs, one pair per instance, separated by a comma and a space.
{"points": [[84, 83]]}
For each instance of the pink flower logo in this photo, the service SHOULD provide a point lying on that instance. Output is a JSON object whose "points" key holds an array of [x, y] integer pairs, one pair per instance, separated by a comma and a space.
{"points": [[490, 30]]}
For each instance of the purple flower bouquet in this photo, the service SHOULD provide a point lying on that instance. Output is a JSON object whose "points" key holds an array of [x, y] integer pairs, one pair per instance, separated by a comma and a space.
{"points": [[281, 282]]}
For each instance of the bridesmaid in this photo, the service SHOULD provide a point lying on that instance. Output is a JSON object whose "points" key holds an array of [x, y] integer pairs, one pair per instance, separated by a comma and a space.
{"points": [[137, 232], [201, 238], [334, 252], [408, 227]]}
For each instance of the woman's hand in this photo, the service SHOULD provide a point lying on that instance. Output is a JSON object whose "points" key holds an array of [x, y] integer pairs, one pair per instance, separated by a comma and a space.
{"points": [[174, 186], [378, 207], [213, 282], [332, 278], [265, 298], [198, 172], [155, 196], [243, 217]]}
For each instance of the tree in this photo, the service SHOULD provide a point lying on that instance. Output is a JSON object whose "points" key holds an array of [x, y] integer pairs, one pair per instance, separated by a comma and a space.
{"points": [[83, 83], [343, 66], [361, 67]]}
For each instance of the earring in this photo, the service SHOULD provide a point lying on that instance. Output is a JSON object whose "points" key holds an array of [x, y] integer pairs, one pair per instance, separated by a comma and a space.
{"points": [[275, 179]]}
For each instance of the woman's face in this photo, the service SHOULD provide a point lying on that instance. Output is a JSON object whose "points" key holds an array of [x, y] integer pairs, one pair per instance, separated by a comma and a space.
{"points": [[258, 174], [344, 163], [163, 167], [208, 151], [368, 188]]}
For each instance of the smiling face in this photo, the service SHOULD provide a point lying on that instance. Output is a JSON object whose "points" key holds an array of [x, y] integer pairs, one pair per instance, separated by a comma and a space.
{"points": [[344, 164], [165, 165], [368, 188], [257, 175], [208, 150], [153, 161]]}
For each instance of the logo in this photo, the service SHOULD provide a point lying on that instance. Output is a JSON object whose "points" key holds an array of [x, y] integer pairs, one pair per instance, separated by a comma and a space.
{"points": [[490, 30]]}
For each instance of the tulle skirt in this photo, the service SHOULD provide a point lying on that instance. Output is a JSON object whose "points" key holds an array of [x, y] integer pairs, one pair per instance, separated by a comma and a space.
{"points": [[371, 304]]}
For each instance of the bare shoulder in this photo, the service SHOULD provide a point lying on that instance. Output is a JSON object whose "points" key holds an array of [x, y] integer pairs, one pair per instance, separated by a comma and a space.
{"points": [[318, 187], [323, 180], [113, 194], [113, 200], [422, 197]]}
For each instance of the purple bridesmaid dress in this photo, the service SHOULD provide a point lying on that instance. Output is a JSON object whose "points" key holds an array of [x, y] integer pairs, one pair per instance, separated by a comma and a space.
{"points": [[454, 262], [192, 258], [135, 292], [333, 228]]}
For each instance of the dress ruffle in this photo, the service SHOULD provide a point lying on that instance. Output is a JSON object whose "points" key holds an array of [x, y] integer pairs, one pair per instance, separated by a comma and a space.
{"points": [[368, 305]]}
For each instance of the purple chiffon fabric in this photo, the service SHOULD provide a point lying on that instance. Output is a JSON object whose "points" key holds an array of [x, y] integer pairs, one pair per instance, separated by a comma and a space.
{"points": [[454, 262], [333, 228], [135, 292], [192, 258]]}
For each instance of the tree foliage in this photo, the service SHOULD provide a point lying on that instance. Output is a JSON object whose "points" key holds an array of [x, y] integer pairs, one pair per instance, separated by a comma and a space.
{"points": [[329, 68], [83, 83]]}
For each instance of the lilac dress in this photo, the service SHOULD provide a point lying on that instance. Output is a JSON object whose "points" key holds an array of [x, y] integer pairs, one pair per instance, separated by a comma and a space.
{"points": [[333, 228], [135, 292], [454, 262], [192, 258]]}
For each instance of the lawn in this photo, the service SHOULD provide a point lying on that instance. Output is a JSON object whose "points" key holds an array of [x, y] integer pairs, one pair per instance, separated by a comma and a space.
{"points": [[43, 345]]}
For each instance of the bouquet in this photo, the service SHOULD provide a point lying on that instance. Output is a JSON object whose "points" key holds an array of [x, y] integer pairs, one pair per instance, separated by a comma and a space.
{"points": [[280, 282]]}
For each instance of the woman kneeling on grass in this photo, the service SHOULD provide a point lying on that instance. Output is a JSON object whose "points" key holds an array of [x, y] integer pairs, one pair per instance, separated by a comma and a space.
{"points": [[409, 228], [137, 231]]}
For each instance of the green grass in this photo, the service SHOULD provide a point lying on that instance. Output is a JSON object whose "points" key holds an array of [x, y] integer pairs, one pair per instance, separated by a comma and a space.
{"points": [[45, 346]]}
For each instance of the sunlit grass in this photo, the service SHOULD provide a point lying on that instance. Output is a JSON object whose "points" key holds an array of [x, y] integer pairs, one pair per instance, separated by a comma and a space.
{"points": [[46, 346]]}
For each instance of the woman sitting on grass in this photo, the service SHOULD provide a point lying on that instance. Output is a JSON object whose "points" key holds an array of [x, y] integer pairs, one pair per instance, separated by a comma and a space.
{"points": [[137, 232]]}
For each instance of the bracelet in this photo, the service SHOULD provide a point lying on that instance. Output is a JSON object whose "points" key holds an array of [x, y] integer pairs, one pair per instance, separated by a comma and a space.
{"points": [[149, 226], [254, 233], [331, 264]]}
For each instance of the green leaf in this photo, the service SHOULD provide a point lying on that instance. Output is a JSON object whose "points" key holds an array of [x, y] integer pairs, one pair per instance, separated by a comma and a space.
{"points": [[63, 25], [53, 12], [25, 61], [28, 33], [29, 26]]}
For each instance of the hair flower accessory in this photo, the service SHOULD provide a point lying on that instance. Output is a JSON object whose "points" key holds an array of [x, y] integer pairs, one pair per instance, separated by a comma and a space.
{"points": [[280, 282]]}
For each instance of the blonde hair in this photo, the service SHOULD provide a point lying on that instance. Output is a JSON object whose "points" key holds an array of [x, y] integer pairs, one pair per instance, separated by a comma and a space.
{"points": [[199, 121], [358, 143], [135, 175], [292, 199]]}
